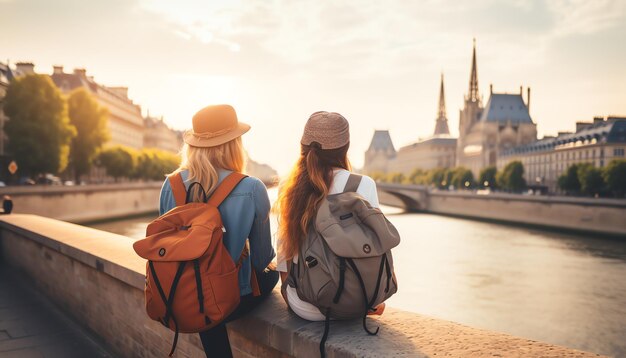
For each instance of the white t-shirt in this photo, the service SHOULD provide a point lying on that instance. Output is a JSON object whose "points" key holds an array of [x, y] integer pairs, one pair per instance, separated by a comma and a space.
{"points": [[367, 189]]}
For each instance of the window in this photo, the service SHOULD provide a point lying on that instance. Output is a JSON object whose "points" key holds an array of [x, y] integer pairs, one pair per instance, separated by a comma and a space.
{"points": [[618, 152]]}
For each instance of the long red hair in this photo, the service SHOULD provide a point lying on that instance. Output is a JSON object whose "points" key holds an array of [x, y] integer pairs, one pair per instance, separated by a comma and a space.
{"points": [[303, 191]]}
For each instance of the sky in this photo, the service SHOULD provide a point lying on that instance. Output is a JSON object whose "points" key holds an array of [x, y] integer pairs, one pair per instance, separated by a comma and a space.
{"points": [[376, 62]]}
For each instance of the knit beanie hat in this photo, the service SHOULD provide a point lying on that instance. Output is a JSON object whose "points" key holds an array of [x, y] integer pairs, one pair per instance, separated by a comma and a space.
{"points": [[329, 129]]}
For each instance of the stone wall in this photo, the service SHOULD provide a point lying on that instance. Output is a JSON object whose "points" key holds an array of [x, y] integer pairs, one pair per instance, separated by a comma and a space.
{"points": [[594, 215], [96, 278], [86, 202], [586, 215]]}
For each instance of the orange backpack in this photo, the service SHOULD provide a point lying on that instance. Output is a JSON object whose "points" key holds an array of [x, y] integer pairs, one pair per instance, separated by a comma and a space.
{"points": [[191, 280]]}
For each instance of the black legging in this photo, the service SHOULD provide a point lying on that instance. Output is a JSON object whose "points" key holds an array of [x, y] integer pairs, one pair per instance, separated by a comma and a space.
{"points": [[215, 340]]}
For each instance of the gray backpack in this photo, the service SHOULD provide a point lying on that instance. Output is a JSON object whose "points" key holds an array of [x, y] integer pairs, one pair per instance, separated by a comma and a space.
{"points": [[345, 266]]}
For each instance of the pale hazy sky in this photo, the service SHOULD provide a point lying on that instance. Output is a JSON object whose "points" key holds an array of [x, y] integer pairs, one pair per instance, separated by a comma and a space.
{"points": [[376, 62]]}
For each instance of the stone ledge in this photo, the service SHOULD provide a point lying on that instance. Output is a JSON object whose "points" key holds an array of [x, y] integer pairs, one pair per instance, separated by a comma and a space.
{"points": [[90, 188], [269, 331]]}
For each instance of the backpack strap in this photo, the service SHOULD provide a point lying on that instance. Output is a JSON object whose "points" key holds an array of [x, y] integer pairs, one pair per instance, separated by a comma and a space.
{"points": [[178, 188], [226, 186], [353, 183]]}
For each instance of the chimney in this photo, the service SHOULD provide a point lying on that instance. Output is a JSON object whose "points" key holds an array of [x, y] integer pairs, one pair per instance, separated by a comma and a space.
{"points": [[598, 119], [57, 70], [582, 125], [612, 118], [25, 68], [521, 90], [81, 72], [491, 88], [528, 99]]}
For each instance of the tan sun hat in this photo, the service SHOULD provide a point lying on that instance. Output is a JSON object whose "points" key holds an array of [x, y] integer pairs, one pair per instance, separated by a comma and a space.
{"points": [[215, 125]]}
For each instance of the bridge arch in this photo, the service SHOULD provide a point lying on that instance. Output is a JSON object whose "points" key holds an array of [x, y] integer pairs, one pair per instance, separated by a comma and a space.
{"points": [[410, 203]]}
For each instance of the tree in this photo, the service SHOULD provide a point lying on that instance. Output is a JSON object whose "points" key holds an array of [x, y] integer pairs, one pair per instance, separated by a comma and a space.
{"points": [[568, 181], [379, 176], [396, 178], [462, 178], [39, 129], [512, 177], [153, 164], [437, 177], [615, 177], [487, 177], [590, 178], [90, 121], [417, 176], [119, 161]]}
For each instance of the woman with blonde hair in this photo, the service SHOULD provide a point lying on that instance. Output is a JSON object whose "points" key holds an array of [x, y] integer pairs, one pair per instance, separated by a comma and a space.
{"points": [[323, 169], [212, 151]]}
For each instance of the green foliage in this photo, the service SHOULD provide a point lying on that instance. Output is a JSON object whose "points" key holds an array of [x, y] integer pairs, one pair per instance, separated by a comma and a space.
{"points": [[396, 178], [379, 176], [39, 129], [153, 164], [487, 178], [418, 176], [118, 161], [512, 177], [568, 181], [462, 178], [590, 178], [615, 177], [438, 177], [147, 164], [90, 121]]}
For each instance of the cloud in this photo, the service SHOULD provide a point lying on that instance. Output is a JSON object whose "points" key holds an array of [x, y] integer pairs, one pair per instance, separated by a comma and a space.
{"points": [[586, 17]]}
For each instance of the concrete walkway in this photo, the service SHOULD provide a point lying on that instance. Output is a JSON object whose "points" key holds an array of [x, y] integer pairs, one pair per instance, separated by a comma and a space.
{"points": [[32, 327]]}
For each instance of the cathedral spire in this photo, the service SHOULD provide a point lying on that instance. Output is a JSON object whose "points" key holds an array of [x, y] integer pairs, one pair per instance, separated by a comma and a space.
{"points": [[473, 84], [441, 126]]}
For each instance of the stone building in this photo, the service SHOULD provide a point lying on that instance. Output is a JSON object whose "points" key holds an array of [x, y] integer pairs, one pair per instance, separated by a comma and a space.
{"points": [[380, 152], [484, 132], [158, 135], [126, 124], [438, 151], [5, 77], [596, 142]]}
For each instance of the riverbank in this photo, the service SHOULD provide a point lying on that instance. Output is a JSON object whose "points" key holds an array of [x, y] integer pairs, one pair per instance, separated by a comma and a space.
{"points": [[581, 215]]}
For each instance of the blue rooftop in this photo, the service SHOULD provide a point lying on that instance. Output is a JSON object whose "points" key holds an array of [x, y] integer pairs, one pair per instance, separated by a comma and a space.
{"points": [[506, 107]]}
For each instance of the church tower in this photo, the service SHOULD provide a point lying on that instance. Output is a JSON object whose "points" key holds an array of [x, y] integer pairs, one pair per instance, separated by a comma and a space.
{"points": [[473, 106], [441, 126]]}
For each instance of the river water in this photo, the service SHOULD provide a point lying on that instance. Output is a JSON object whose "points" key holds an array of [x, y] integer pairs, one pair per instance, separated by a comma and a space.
{"points": [[564, 289]]}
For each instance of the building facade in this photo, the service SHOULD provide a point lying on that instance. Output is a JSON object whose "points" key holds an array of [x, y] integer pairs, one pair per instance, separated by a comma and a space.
{"points": [[437, 151], [485, 132], [5, 77], [125, 122], [434, 152], [596, 142], [379, 154], [159, 136]]}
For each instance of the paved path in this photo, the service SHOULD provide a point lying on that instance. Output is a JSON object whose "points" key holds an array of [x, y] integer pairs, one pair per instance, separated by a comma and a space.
{"points": [[32, 327]]}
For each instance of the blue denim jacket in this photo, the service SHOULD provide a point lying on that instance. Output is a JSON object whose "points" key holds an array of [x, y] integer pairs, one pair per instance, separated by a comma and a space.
{"points": [[245, 215]]}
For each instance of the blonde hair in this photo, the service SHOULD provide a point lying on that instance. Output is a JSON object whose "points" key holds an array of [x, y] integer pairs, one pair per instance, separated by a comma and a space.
{"points": [[203, 163]]}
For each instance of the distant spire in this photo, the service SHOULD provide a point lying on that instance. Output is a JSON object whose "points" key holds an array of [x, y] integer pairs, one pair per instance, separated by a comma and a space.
{"points": [[473, 84], [441, 126]]}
